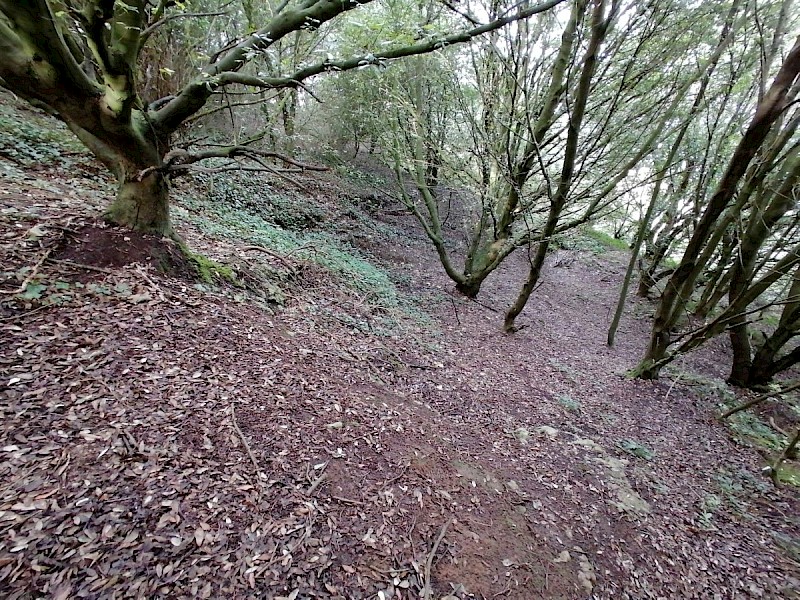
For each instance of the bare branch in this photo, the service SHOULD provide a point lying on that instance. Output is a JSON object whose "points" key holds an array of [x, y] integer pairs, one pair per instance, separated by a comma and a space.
{"points": [[164, 20], [225, 70]]}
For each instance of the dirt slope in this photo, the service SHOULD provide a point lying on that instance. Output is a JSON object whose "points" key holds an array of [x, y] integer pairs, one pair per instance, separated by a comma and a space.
{"points": [[162, 438]]}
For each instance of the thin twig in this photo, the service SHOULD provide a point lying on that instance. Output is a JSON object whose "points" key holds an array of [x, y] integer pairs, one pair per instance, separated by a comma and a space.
{"points": [[317, 481], [283, 176], [455, 309], [427, 591], [347, 500], [152, 283], [674, 382], [758, 400], [244, 441], [74, 265], [274, 255], [30, 276], [777, 428]]}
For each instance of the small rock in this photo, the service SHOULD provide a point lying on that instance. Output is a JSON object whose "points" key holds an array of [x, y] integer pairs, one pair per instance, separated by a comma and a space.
{"points": [[550, 432], [563, 557]]}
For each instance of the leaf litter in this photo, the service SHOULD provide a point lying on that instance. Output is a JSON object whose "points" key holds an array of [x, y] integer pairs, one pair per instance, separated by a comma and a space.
{"points": [[165, 439]]}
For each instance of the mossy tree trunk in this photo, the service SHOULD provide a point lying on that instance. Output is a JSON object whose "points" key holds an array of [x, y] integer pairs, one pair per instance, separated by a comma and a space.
{"points": [[134, 156], [142, 204]]}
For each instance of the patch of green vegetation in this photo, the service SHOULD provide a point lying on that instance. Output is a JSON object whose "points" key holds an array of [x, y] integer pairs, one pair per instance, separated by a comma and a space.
{"points": [[749, 429], [733, 490], [770, 319], [789, 472], [706, 387], [360, 178], [709, 505], [790, 544], [569, 402], [227, 222], [669, 263], [250, 194], [209, 271], [35, 139], [588, 239], [353, 210], [608, 241], [246, 222], [636, 449], [327, 156]]}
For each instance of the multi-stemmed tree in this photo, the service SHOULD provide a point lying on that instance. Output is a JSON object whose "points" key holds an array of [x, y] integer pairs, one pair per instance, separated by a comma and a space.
{"points": [[80, 60]]}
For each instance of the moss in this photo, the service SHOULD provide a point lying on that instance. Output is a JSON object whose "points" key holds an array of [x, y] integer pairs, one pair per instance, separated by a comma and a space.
{"points": [[789, 472], [610, 242], [209, 271]]}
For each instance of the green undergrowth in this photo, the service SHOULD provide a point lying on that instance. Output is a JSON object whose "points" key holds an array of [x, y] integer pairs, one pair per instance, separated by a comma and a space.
{"points": [[712, 388], [731, 491], [636, 449], [360, 178], [789, 473], [209, 271], [247, 192], [749, 429], [745, 427], [588, 239], [33, 138], [292, 227]]}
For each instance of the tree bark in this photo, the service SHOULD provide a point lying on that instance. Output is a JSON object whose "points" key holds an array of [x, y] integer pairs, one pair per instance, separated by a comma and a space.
{"points": [[765, 363], [142, 204], [682, 282], [599, 29], [765, 215]]}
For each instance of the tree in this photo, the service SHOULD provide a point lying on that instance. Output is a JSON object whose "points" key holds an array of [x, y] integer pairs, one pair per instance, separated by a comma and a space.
{"points": [[649, 278], [700, 246], [80, 60], [509, 102], [514, 100]]}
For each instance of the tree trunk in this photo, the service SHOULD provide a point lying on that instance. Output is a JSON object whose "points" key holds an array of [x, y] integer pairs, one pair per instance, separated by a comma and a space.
{"points": [[682, 282], [470, 288], [742, 353], [766, 213], [142, 204], [142, 200], [766, 363], [600, 27], [535, 272]]}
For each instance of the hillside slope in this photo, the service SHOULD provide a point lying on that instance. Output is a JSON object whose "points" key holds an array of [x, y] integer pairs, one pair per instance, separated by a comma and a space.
{"points": [[304, 409]]}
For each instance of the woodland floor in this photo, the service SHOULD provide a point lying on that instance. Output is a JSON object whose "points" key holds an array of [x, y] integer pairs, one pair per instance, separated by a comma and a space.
{"points": [[164, 438]]}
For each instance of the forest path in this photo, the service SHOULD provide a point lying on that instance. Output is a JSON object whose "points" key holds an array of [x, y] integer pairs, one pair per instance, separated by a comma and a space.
{"points": [[160, 439]]}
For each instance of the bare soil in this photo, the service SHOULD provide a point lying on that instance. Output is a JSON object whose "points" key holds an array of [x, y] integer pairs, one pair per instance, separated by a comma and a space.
{"points": [[101, 245], [161, 439]]}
